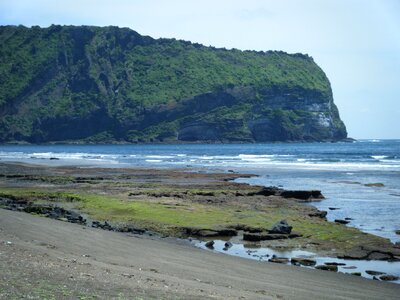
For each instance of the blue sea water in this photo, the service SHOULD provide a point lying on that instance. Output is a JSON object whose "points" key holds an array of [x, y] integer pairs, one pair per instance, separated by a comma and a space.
{"points": [[340, 170]]}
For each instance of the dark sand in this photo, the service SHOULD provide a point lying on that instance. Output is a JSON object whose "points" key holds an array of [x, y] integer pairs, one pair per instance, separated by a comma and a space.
{"points": [[45, 258]]}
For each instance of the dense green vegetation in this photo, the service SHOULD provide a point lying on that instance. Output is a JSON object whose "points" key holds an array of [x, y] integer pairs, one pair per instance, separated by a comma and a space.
{"points": [[111, 84]]}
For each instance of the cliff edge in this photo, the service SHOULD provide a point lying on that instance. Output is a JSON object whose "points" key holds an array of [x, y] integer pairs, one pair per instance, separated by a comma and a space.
{"points": [[110, 84]]}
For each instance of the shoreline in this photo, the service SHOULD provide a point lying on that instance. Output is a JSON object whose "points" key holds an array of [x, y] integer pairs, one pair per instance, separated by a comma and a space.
{"points": [[48, 258], [210, 189], [171, 187]]}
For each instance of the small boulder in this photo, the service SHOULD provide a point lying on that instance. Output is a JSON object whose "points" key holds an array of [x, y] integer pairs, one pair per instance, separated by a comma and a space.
{"points": [[319, 214], [356, 273], [227, 246], [210, 244], [282, 227], [388, 278], [303, 261], [372, 272], [327, 268], [397, 232], [278, 260], [341, 221]]}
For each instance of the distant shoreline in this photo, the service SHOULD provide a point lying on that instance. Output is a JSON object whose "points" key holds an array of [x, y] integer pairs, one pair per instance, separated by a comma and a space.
{"points": [[346, 140]]}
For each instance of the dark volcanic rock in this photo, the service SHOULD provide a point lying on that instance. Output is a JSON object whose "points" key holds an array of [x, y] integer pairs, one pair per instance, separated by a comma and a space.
{"points": [[265, 236], [131, 229], [372, 272], [50, 211], [279, 260], [341, 221], [327, 268], [375, 255], [227, 245], [282, 227], [303, 261], [334, 264], [388, 278], [104, 226], [252, 237], [389, 254], [357, 253], [246, 228], [319, 214], [210, 244], [190, 231], [303, 195], [269, 191], [274, 236]]}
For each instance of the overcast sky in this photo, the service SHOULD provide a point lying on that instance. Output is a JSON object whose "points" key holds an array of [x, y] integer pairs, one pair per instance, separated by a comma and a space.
{"points": [[356, 42]]}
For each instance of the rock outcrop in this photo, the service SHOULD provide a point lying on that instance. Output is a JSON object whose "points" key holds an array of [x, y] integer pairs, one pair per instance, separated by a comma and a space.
{"points": [[109, 84]]}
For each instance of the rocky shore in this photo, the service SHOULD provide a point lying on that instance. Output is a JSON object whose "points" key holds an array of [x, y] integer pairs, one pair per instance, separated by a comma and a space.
{"points": [[186, 204]]}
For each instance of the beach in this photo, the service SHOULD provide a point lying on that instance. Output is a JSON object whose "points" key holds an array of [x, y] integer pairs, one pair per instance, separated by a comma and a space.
{"points": [[48, 258], [151, 255]]}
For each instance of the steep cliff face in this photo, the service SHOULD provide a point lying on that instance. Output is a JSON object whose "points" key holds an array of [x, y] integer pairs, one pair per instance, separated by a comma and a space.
{"points": [[107, 84]]}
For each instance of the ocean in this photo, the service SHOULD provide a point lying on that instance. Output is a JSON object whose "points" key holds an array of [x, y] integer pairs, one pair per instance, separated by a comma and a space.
{"points": [[360, 180]]}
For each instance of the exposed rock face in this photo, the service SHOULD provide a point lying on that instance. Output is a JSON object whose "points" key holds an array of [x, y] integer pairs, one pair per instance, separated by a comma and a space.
{"points": [[299, 195], [109, 84]]}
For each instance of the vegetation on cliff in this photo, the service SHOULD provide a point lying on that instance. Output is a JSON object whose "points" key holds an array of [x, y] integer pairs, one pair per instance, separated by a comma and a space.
{"points": [[106, 84]]}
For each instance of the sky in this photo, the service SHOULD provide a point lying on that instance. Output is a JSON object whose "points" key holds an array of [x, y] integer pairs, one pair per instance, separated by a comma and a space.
{"points": [[356, 42]]}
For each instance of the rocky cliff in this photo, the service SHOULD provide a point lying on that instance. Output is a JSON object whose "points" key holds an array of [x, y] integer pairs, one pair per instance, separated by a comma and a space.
{"points": [[110, 84]]}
